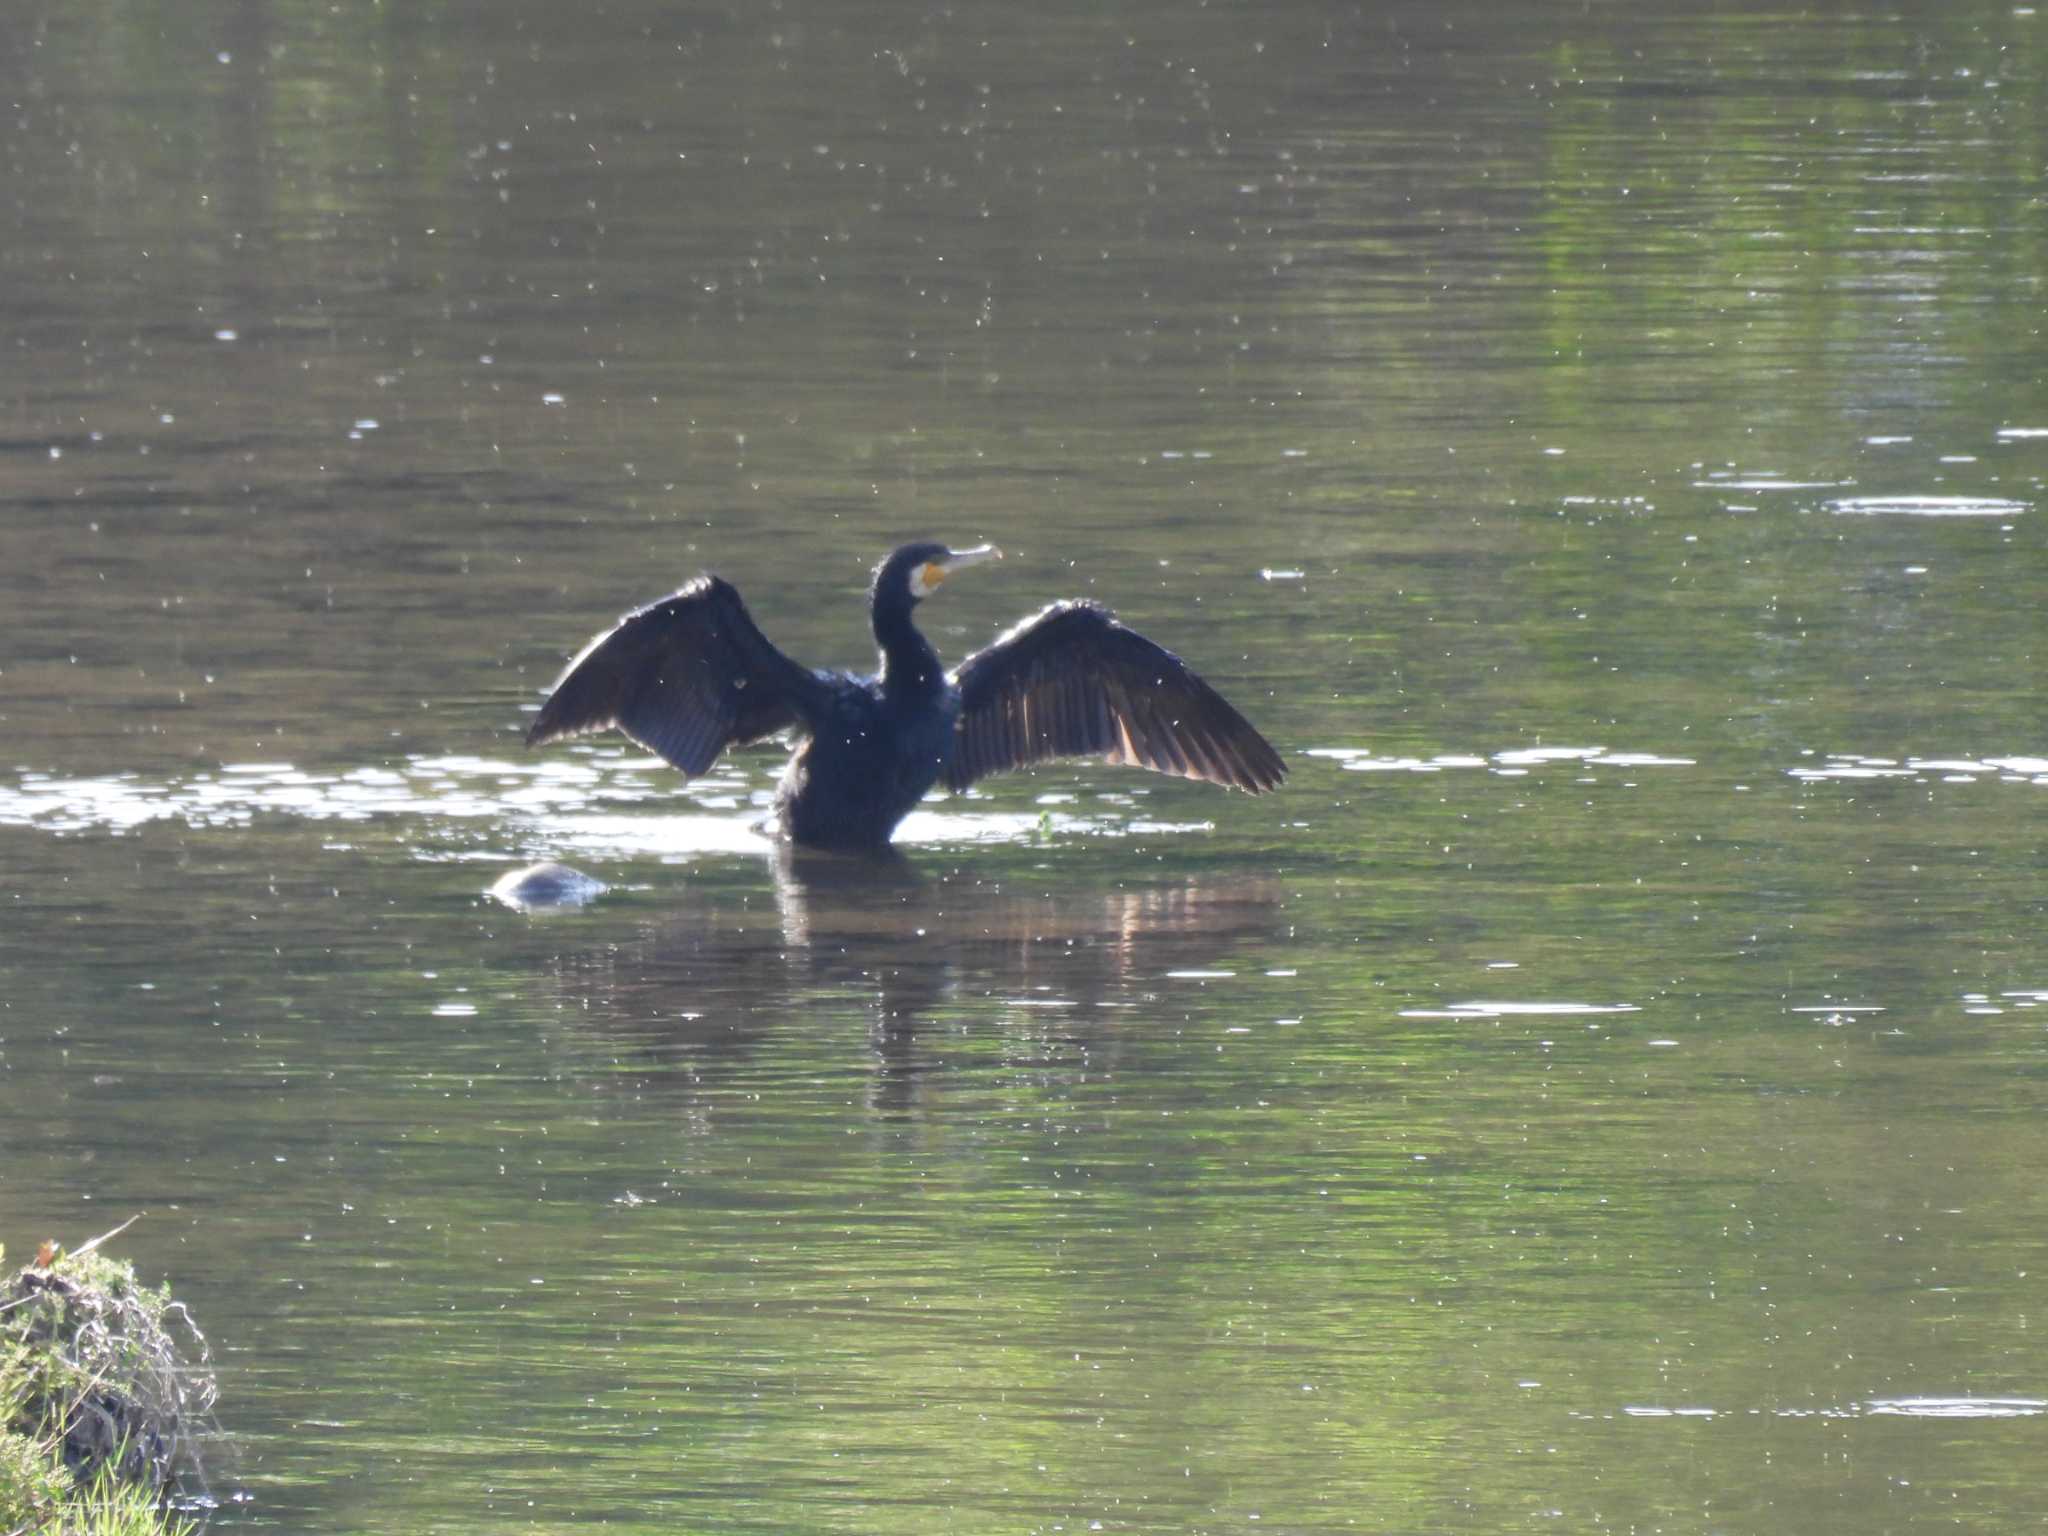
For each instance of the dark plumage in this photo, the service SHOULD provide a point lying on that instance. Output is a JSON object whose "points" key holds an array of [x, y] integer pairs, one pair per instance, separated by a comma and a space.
{"points": [[691, 675]]}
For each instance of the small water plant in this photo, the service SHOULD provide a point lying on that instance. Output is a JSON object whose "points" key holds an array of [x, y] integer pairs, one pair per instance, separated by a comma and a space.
{"points": [[104, 1389]]}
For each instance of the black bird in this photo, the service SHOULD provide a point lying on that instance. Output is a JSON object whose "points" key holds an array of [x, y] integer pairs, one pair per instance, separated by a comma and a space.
{"points": [[690, 675]]}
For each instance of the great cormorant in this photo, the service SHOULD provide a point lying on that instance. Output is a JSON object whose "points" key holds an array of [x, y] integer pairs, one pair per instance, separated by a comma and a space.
{"points": [[690, 675]]}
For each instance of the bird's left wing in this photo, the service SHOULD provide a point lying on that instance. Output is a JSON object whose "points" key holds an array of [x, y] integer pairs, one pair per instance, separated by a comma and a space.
{"points": [[684, 677], [1072, 681]]}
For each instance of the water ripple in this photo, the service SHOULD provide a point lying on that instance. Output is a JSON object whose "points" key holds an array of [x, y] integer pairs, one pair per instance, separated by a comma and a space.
{"points": [[1927, 506], [592, 804], [2017, 769], [1512, 763], [1898, 1407], [1496, 1010], [1958, 1407]]}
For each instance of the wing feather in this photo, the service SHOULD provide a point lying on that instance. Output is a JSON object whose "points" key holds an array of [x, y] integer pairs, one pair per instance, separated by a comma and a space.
{"points": [[686, 677], [1073, 682]]}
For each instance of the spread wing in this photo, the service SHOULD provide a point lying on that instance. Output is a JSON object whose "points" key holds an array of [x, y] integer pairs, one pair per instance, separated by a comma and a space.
{"points": [[685, 677], [1072, 681]]}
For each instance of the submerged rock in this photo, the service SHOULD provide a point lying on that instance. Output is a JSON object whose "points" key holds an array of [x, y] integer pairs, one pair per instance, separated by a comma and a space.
{"points": [[545, 886]]}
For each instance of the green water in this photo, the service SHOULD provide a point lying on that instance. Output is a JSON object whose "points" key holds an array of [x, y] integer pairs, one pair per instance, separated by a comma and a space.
{"points": [[1601, 447]]}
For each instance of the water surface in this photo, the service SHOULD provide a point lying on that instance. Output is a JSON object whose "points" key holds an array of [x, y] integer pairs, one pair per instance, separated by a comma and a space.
{"points": [[1602, 448]]}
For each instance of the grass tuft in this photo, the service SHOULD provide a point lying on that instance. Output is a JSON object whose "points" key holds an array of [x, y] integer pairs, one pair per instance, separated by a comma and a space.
{"points": [[104, 1391]]}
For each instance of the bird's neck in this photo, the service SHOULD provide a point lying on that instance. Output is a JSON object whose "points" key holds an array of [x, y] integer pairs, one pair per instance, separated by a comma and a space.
{"points": [[909, 664]]}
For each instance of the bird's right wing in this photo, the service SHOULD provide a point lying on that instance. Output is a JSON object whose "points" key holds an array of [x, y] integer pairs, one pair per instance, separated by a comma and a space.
{"points": [[685, 677]]}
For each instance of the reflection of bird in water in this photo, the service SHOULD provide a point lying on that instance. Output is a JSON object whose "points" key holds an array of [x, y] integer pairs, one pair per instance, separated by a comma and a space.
{"points": [[691, 675], [715, 987]]}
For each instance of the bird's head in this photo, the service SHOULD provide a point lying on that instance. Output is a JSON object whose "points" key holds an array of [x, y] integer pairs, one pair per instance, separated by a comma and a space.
{"points": [[915, 571]]}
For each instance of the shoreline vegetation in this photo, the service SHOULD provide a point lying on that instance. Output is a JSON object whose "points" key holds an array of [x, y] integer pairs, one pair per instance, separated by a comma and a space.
{"points": [[105, 1392]]}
